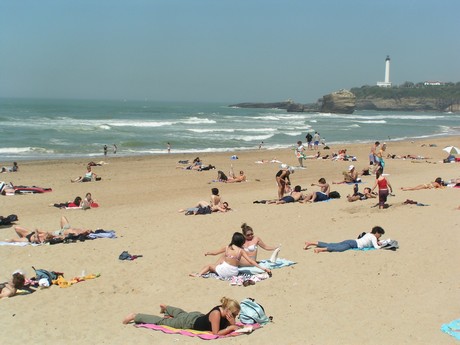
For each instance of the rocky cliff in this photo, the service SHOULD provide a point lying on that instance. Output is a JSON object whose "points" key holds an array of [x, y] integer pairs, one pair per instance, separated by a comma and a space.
{"points": [[341, 102], [400, 104]]}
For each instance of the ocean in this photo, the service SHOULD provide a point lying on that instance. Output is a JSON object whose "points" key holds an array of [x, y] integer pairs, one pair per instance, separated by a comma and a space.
{"points": [[37, 129]]}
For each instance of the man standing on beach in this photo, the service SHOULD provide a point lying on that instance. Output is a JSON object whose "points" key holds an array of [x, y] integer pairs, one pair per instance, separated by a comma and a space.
{"points": [[168, 146], [105, 150], [309, 138], [114, 149], [316, 139], [372, 154]]}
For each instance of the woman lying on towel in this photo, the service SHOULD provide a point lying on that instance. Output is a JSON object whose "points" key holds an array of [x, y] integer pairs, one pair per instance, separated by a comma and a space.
{"points": [[435, 184], [40, 236], [10, 288], [233, 254], [74, 204], [369, 240], [220, 320], [204, 207]]}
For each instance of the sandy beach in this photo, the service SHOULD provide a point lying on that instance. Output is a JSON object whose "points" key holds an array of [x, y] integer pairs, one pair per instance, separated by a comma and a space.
{"points": [[355, 297]]}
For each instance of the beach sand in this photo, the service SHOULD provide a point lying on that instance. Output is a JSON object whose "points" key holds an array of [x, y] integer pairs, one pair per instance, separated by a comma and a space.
{"points": [[355, 297]]}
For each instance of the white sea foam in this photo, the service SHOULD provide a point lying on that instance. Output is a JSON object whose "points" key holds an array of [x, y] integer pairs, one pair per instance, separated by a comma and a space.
{"points": [[372, 121], [197, 121], [210, 130]]}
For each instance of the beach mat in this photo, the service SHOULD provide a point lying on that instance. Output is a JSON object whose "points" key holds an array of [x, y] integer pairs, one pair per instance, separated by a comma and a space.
{"points": [[452, 328], [191, 332]]}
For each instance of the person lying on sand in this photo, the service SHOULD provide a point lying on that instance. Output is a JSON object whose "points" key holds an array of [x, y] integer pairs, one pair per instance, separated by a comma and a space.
{"points": [[367, 194], [231, 178], [40, 236], [369, 240], [204, 207], [220, 320], [435, 184], [227, 265], [196, 165], [295, 195], [10, 288], [318, 196]]}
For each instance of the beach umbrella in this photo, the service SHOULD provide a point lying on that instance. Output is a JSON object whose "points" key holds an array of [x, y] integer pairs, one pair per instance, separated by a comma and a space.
{"points": [[452, 150]]}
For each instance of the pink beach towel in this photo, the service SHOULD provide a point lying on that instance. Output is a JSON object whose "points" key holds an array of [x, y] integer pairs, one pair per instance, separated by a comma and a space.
{"points": [[191, 332]]}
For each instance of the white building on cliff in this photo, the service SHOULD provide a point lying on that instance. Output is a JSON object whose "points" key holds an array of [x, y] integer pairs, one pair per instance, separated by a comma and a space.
{"points": [[387, 82]]}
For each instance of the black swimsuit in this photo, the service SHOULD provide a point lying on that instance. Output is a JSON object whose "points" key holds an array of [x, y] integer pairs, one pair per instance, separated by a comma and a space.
{"points": [[29, 236]]}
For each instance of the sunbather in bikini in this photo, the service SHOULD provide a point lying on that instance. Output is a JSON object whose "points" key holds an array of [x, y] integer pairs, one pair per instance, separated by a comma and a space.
{"points": [[40, 236], [10, 288], [435, 184], [227, 265]]}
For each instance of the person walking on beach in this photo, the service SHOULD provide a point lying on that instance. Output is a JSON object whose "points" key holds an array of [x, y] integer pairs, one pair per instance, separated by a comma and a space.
{"points": [[316, 139], [168, 146], [383, 185], [105, 150], [260, 145], [309, 139], [300, 153], [373, 153], [114, 149]]}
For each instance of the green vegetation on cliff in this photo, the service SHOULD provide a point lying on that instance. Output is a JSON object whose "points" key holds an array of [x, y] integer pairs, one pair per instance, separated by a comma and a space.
{"points": [[447, 92]]}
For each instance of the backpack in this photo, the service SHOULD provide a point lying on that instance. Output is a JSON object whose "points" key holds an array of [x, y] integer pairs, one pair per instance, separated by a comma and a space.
{"points": [[252, 312], [334, 195]]}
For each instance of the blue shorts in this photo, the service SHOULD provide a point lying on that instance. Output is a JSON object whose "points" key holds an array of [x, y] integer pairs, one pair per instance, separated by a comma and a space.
{"points": [[320, 196]]}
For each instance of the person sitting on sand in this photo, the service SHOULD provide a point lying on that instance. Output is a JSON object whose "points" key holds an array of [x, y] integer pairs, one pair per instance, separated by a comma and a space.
{"points": [[350, 176], [40, 236], [251, 244], [196, 165], [88, 202], [283, 180], [295, 195], [88, 177], [13, 168], [367, 194], [10, 288], [220, 320], [204, 207], [369, 240], [435, 184], [318, 196], [227, 265]]}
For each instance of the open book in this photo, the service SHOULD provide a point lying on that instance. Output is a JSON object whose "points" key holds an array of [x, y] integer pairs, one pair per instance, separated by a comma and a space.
{"points": [[245, 329]]}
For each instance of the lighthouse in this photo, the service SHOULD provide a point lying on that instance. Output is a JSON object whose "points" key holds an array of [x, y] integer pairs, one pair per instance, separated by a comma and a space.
{"points": [[387, 82]]}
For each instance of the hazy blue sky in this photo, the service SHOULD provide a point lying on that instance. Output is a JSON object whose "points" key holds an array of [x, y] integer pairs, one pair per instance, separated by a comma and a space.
{"points": [[221, 50]]}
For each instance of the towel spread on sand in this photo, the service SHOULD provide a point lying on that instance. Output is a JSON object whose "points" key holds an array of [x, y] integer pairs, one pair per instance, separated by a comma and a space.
{"points": [[19, 244], [192, 332], [280, 263], [452, 328]]}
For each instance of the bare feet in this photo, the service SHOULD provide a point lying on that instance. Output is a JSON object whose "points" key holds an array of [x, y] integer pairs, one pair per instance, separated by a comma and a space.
{"points": [[129, 318], [196, 275], [317, 250], [307, 244]]}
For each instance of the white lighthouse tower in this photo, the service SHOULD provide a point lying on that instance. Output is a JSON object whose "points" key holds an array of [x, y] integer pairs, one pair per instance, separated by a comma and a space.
{"points": [[387, 82]]}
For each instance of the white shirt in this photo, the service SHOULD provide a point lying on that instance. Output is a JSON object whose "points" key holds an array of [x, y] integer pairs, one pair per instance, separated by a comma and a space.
{"points": [[367, 241]]}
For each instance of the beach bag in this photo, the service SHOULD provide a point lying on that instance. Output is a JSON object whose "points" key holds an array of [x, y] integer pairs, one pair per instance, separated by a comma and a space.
{"points": [[252, 312], [334, 195], [8, 220], [391, 245]]}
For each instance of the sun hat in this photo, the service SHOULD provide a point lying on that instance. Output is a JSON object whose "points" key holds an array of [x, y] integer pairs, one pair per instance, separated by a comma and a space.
{"points": [[351, 167]]}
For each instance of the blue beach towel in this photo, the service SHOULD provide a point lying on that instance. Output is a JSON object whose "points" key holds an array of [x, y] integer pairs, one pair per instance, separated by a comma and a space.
{"points": [[452, 328]]}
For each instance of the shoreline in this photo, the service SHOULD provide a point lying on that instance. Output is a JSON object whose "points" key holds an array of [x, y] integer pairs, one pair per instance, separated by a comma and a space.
{"points": [[94, 157]]}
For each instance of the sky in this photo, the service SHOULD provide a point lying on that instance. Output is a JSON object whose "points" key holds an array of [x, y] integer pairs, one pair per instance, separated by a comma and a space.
{"points": [[221, 50]]}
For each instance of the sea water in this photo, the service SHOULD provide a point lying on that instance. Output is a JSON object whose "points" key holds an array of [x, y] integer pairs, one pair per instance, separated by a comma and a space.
{"points": [[52, 129]]}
